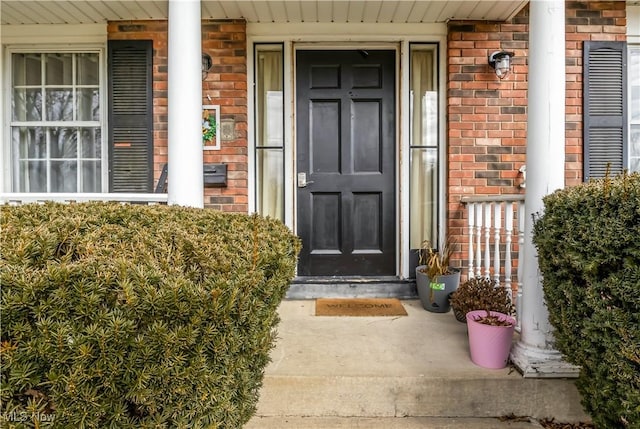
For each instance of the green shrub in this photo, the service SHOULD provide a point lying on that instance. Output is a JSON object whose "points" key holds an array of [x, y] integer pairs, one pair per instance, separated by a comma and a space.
{"points": [[128, 316], [588, 243]]}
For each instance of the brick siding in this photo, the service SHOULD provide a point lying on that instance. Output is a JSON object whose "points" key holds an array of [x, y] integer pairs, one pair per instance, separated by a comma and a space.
{"points": [[226, 85], [487, 117]]}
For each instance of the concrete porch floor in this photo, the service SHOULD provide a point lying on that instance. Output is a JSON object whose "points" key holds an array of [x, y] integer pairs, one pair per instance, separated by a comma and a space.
{"points": [[395, 372]]}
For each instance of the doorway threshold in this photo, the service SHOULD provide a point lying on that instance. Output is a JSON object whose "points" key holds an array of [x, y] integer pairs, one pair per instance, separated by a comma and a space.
{"points": [[312, 287]]}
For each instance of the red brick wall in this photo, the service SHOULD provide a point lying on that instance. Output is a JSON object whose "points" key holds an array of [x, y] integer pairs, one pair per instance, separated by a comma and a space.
{"points": [[585, 20], [226, 85], [488, 117]]}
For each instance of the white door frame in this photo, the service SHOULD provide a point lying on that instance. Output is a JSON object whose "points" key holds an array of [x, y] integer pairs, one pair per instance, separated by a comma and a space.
{"points": [[348, 36]]}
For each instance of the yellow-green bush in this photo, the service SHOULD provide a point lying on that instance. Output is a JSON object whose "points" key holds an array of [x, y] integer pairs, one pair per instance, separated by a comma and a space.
{"points": [[588, 242], [128, 316]]}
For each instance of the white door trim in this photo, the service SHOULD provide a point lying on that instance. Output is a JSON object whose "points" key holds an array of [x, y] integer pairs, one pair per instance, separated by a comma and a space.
{"points": [[345, 36]]}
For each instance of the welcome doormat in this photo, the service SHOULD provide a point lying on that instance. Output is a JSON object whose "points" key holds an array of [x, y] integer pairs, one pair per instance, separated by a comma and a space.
{"points": [[359, 307]]}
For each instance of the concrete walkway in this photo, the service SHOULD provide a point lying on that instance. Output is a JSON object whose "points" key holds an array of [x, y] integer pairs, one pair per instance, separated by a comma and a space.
{"points": [[387, 423], [394, 372]]}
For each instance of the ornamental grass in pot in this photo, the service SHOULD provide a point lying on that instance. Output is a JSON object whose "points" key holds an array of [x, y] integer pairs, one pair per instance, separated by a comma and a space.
{"points": [[435, 278]]}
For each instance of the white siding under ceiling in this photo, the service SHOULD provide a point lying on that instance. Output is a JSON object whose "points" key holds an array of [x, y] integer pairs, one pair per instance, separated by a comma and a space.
{"points": [[261, 11], [633, 24]]}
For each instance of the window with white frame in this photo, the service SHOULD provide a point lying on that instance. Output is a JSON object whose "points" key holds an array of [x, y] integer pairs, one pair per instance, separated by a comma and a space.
{"points": [[56, 122], [634, 107], [269, 150], [424, 149]]}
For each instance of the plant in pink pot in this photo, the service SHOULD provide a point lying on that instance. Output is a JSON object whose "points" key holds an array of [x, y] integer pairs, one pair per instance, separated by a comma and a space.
{"points": [[480, 293], [490, 337]]}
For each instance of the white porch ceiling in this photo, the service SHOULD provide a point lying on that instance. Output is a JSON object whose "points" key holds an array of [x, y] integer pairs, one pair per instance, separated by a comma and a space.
{"points": [[260, 11]]}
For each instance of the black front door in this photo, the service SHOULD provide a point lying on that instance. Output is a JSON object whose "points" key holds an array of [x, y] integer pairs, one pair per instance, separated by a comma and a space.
{"points": [[346, 162]]}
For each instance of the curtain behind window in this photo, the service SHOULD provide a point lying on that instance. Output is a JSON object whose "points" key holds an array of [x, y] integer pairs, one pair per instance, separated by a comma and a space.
{"points": [[269, 135], [424, 151]]}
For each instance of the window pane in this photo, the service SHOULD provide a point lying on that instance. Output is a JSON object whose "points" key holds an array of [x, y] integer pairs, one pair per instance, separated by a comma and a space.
{"points": [[50, 88], [31, 142], [87, 69], [26, 69], [634, 148], [424, 99], [27, 105], [59, 105], [270, 108], [423, 93], [33, 176], [273, 122], [63, 143], [64, 176], [58, 69], [269, 191], [424, 196], [269, 131], [635, 102], [634, 82], [90, 143], [88, 104], [91, 176]]}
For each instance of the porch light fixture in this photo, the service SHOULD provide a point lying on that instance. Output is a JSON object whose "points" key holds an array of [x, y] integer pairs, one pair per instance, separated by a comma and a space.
{"points": [[207, 62], [501, 62]]}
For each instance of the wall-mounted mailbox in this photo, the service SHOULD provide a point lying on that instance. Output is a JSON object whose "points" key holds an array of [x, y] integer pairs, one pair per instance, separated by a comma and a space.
{"points": [[215, 174]]}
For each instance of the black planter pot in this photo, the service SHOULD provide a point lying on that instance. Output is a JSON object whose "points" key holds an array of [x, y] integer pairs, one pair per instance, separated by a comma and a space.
{"points": [[434, 294]]}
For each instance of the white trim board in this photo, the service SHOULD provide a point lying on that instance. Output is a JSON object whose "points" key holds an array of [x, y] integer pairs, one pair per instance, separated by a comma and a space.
{"points": [[356, 32], [53, 33], [633, 24]]}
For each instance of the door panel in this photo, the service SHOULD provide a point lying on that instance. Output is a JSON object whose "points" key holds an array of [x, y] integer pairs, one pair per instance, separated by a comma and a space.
{"points": [[366, 138], [325, 222], [324, 138], [367, 226], [346, 148]]}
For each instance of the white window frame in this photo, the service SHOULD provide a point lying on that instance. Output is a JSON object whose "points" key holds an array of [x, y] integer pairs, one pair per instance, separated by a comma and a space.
{"points": [[632, 107], [276, 119], [429, 142], [7, 82]]}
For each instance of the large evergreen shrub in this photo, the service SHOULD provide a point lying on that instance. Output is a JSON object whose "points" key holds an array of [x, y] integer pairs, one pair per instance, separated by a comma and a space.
{"points": [[137, 316], [588, 242]]}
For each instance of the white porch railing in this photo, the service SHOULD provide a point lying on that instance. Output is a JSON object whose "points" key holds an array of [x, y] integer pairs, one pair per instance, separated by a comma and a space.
{"points": [[494, 223], [27, 197]]}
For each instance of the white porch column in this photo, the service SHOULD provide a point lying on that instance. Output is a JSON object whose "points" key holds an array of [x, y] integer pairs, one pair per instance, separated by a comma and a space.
{"points": [[534, 353], [185, 179]]}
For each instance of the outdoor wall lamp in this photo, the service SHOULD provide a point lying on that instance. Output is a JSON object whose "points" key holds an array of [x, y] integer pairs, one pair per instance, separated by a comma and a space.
{"points": [[207, 62], [501, 62]]}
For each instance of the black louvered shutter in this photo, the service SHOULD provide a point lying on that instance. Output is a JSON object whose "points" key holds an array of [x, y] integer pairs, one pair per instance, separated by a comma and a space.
{"points": [[605, 108], [130, 116]]}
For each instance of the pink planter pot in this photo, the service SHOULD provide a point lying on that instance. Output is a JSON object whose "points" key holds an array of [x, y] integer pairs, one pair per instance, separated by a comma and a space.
{"points": [[489, 345]]}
